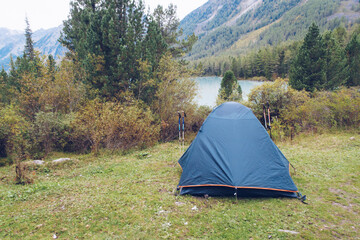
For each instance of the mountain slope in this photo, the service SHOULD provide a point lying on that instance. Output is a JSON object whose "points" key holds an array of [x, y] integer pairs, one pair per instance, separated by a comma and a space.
{"points": [[13, 42], [224, 26]]}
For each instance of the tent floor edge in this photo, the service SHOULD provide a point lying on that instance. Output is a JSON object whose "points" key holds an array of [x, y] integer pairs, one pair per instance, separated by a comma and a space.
{"points": [[217, 191]]}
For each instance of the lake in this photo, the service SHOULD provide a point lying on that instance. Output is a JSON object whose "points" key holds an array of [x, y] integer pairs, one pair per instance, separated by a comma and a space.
{"points": [[209, 89]]}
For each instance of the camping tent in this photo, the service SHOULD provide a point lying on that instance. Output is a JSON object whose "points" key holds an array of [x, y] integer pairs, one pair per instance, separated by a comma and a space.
{"points": [[234, 155]]}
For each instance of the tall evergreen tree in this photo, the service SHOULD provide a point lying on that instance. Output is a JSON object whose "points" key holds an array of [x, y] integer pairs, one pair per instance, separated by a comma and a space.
{"points": [[4, 90], [335, 63], [110, 38], [307, 71], [29, 51], [229, 86], [353, 60], [51, 67]]}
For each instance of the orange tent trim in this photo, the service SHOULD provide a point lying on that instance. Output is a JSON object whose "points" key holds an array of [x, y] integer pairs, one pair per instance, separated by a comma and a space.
{"points": [[220, 185]]}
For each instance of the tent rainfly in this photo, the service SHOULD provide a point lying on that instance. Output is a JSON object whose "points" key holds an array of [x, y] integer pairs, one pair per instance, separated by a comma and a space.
{"points": [[233, 155]]}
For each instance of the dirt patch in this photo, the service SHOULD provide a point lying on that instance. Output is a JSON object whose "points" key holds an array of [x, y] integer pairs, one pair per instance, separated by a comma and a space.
{"points": [[336, 191], [349, 208]]}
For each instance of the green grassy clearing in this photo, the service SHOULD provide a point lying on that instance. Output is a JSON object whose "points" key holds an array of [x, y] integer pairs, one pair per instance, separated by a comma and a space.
{"points": [[131, 196]]}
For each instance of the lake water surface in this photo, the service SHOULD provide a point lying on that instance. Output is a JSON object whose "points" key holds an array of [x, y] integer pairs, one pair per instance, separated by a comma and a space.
{"points": [[209, 89]]}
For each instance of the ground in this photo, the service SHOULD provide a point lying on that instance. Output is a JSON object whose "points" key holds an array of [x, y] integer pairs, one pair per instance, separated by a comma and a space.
{"points": [[117, 196]]}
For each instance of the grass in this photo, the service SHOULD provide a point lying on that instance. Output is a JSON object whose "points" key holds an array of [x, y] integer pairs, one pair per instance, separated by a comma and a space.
{"points": [[116, 196]]}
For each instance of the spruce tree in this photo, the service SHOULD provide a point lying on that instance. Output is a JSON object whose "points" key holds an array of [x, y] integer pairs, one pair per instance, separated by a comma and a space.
{"points": [[307, 70], [29, 44], [51, 67], [335, 63], [3, 85], [229, 87], [353, 60], [110, 38]]}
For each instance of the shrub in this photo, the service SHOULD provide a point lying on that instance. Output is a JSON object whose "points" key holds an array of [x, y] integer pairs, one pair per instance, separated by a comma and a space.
{"points": [[114, 126], [294, 111], [175, 92], [14, 131], [276, 93], [49, 131]]}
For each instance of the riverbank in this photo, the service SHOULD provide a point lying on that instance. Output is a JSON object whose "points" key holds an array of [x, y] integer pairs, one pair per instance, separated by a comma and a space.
{"points": [[257, 79]]}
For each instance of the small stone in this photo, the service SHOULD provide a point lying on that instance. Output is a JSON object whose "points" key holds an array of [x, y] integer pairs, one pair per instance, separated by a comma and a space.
{"points": [[179, 203], [288, 231], [40, 225], [194, 208], [352, 138], [38, 162], [61, 160]]}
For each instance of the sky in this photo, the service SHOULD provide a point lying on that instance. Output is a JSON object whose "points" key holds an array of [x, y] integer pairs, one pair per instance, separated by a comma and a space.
{"points": [[45, 14]]}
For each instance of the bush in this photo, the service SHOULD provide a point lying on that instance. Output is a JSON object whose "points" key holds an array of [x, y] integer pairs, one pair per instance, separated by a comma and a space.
{"points": [[276, 93], [175, 92], [114, 126], [295, 111], [49, 131], [14, 133]]}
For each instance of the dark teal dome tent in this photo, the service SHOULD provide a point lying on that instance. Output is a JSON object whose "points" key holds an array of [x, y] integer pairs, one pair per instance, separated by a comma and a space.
{"points": [[234, 155]]}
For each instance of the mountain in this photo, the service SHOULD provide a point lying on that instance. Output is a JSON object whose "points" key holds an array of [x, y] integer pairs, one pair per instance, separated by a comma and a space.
{"points": [[228, 27], [13, 42]]}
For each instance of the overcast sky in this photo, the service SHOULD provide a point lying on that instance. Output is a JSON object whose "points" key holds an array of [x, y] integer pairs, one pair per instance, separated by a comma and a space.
{"points": [[50, 13]]}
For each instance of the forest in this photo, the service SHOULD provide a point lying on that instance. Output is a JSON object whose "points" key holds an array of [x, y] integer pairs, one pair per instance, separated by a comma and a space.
{"points": [[339, 51]]}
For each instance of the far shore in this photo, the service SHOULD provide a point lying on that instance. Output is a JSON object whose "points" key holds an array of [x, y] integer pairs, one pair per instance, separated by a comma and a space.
{"points": [[258, 79]]}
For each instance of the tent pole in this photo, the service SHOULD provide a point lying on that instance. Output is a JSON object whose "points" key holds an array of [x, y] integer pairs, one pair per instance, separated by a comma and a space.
{"points": [[179, 132], [264, 110], [183, 127], [268, 105]]}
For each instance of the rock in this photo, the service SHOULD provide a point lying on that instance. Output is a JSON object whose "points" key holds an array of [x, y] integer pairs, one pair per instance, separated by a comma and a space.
{"points": [[38, 162], [39, 226], [288, 231], [60, 160], [179, 203], [194, 208], [352, 138]]}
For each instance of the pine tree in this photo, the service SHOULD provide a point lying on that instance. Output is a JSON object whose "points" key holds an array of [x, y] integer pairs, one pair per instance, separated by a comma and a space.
{"points": [[51, 65], [229, 86], [29, 44], [110, 38], [4, 91], [353, 60], [307, 71], [335, 63]]}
